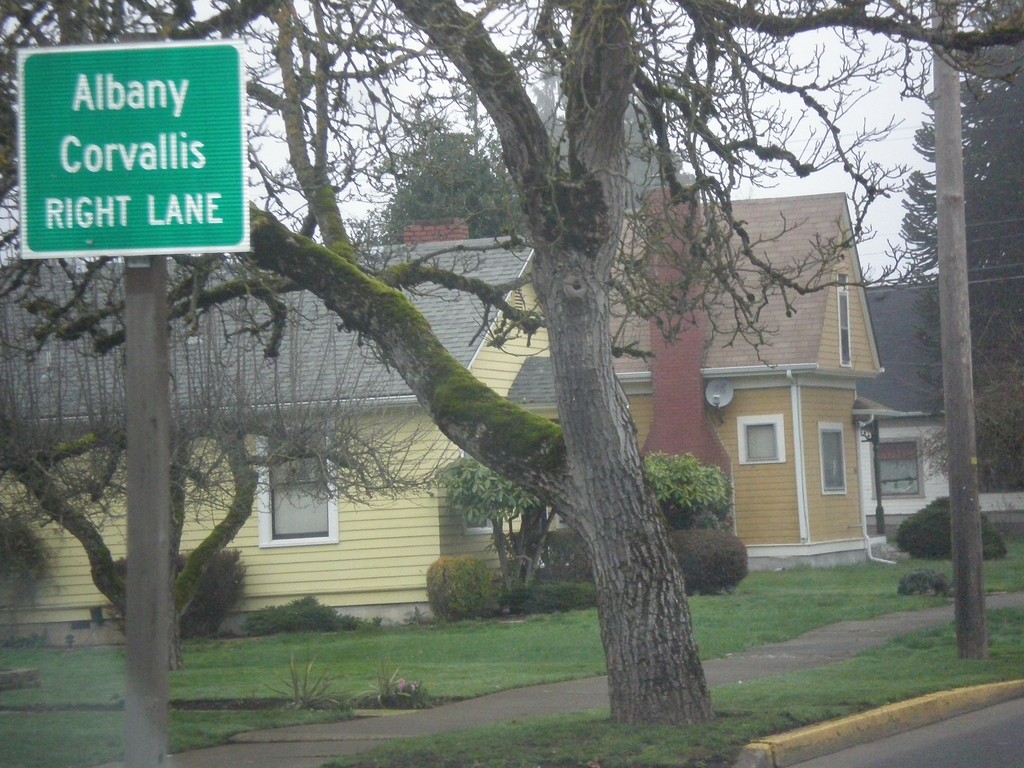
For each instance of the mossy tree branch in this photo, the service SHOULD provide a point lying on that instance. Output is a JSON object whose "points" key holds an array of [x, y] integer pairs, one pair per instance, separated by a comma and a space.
{"points": [[471, 414]]}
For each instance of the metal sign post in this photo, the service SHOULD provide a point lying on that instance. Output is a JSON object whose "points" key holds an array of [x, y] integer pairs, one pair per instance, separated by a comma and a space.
{"points": [[138, 151]]}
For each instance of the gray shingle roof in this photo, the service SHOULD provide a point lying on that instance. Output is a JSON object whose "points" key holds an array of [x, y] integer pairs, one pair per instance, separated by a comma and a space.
{"points": [[316, 361], [454, 316], [535, 384], [912, 379]]}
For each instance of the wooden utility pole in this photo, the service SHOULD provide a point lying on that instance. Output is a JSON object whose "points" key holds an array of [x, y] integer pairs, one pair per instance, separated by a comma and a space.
{"points": [[148, 586], [957, 377]]}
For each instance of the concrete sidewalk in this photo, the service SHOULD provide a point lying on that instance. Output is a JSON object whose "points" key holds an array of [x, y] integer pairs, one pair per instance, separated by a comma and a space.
{"points": [[309, 746]]}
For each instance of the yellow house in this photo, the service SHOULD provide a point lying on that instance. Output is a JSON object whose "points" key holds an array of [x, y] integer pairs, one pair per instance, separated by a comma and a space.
{"points": [[778, 418], [789, 428], [365, 558]]}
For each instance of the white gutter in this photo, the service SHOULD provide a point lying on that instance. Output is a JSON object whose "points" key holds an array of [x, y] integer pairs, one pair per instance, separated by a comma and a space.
{"points": [[634, 376], [796, 402], [755, 370]]}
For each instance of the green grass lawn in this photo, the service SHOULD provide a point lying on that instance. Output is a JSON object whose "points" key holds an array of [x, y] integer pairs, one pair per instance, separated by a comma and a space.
{"points": [[921, 663], [454, 661]]}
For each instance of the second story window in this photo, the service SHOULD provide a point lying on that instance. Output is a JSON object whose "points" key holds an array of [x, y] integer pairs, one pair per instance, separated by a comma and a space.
{"points": [[845, 343]]}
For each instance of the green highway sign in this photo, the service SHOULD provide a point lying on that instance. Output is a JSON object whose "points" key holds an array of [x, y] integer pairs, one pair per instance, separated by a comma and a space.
{"points": [[132, 149]]}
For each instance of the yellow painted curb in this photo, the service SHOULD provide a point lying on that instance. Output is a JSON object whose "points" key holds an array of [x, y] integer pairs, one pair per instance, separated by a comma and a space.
{"points": [[825, 738]]}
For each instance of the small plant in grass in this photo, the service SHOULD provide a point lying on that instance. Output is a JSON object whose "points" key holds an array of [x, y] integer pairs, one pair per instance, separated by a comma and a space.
{"points": [[306, 689], [924, 582], [392, 691]]}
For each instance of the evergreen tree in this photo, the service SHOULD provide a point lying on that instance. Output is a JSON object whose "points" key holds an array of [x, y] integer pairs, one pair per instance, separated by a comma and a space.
{"points": [[993, 167], [447, 175], [919, 222]]}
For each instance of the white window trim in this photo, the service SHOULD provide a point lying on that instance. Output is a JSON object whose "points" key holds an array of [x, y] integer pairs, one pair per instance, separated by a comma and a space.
{"points": [[831, 426], [778, 421], [266, 519], [920, 470]]}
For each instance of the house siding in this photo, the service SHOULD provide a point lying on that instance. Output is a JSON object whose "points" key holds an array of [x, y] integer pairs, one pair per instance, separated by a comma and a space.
{"points": [[500, 366], [67, 593], [641, 408], [831, 516], [385, 547], [765, 494]]}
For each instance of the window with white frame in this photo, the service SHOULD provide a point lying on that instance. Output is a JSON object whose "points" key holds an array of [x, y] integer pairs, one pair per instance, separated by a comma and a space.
{"points": [[762, 439], [833, 458], [845, 343], [296, 505], [899, 468]]}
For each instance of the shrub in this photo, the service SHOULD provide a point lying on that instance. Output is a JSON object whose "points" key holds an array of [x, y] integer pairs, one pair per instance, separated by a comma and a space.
{"points": [[217, 593], [713, 561], [926, 534], [690, 494], [305, 614], [22, 559], [924, 582], [564, 558], [550, 597], [460, 588], [517, 518]]}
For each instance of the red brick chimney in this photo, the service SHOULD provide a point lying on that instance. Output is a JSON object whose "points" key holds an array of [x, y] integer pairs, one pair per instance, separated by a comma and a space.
{"points": [[682, 420], [418, 232]]}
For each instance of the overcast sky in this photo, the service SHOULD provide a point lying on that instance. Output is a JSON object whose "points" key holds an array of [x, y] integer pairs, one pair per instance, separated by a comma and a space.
{"points": [[886, 215]]}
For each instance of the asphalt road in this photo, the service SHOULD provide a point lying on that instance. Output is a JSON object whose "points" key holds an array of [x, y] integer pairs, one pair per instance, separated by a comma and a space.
{"points": [[988, 738]]}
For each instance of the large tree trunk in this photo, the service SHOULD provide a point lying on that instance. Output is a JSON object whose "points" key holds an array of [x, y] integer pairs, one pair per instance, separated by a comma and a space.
{"points": [[655, 675]]}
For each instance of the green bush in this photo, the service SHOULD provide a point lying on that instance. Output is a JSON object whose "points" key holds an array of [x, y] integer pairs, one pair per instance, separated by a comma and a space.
{"points": [[564, 558], [926, 534], [217, 593], [550, 597], [305, 614], [713, 561], [23, 559], [460, 588], [924, 582], [690, 494]]}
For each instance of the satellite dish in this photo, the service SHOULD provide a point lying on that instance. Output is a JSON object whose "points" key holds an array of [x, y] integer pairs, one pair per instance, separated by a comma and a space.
{"points": [[718, 392]]}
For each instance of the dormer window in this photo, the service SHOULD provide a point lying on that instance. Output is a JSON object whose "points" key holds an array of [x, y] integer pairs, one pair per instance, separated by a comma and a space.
{"points": [[845, 343]]}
